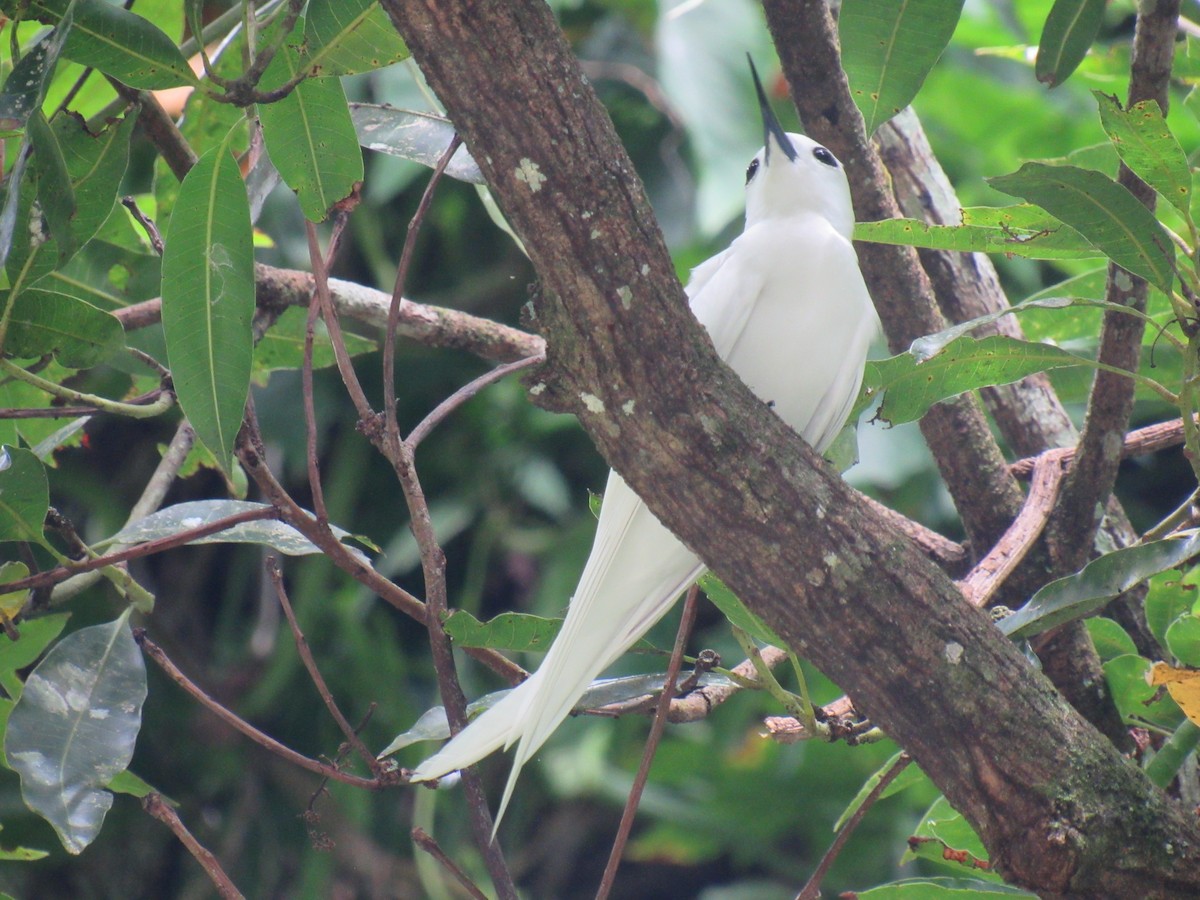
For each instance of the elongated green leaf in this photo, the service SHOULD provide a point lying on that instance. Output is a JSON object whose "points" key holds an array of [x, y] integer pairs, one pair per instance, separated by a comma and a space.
{"points": [[346, 37], [24, 496], [24, 91], [506, 631], [1144, 142], [889, 48], [1069, 31], [1053, 240], [77, 333], [198, 513], [1102, 211], [310, 137], [910, 386], [120, 43], [1183, 640], [1133, 696], [74, 728], [938, 888], [738, 614], [910, 775], [208, 299], [56, 196], [1098, 582], [416, 136]]}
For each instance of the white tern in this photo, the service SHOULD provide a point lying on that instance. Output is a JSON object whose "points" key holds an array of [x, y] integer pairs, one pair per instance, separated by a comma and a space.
{"points": [[787, 308]]}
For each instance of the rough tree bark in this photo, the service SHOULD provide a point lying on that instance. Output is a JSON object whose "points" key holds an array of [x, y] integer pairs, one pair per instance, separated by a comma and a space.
{"points": [[1058, 808]]}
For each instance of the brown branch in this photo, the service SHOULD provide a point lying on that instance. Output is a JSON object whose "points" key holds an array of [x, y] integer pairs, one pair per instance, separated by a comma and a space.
{"points": [[156, 806], [310, 665], [628, 814], [170, 542], [383, 780], [1110, 402], [990, 573], [812, 889], [740, 488], [425, 841]]}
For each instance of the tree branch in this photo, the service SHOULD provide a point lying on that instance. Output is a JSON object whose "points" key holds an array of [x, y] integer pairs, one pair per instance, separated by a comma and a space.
{"points": [[750, 497]]}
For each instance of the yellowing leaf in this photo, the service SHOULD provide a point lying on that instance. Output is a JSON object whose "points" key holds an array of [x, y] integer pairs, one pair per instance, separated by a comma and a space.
{"points": [[1182, 684]]}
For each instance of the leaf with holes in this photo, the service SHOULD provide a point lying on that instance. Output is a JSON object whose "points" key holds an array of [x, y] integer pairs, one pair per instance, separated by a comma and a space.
{"points": [[889, 48], [1144, 142], [1102, 211]]}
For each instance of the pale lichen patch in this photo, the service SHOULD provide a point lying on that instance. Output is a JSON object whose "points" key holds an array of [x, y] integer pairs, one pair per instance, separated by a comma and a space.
{"points": [[538, 388], [625, 295], [627, 407], [592, 402], [954, 653], [530, 173]]}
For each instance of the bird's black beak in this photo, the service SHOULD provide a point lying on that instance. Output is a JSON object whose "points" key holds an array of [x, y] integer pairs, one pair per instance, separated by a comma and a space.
{"points": [[771, 126]]}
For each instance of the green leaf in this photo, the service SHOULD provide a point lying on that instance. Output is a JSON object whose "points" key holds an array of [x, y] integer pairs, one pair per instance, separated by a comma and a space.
{"points": [[120, 43], [1109, 638], [310, 136], [943, 829], [889, 48], [415, 136], [12, 602], [941, 889], [35, 636], [738, 614], [77, 333], [56, 196], [1011, 230], [1144, 142], [346, 37], [108, 276], [1171, 595], [282, 347], [197, 513], [25, 87], [1069, 31], [909, 776], [1183, 640], [208, 299], [1074, 596], [507, 631], [1138, 702], [128, 783], [24, 496], [911, 385], [1102, 211], [74, 728]]}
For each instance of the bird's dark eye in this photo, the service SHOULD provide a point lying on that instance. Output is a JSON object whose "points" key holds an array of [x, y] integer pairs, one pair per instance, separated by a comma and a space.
{"points": [[824, 156], [751, 169]]}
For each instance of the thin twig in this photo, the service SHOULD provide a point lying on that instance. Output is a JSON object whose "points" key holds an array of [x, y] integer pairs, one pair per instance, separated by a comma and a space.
{"points": [[425, 841], [59, 573], [988, 576], [656, 732], [391, 427], [152, 650], [812, 890], [146, 222], [314, 673], [313, 463], [465, 393], [159, 808]]}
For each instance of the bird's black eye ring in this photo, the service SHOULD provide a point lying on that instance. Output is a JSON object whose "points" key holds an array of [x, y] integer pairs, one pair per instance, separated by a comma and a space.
{"points": [[751, 170], [824, 156]]}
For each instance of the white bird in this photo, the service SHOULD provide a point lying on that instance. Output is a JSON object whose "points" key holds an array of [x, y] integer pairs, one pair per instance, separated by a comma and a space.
{"points": [[786, 307]]}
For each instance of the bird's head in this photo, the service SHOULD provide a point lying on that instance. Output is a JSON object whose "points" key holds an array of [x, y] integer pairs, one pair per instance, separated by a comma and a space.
{"points": [[792, 173]]}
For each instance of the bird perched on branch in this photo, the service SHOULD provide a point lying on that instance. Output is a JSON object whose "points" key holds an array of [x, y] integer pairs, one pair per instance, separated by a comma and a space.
{"points": [[786, 307]]}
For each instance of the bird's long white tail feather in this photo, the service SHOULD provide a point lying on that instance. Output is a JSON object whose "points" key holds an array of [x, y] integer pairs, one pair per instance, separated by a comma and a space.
{"points": [[635, 571]]}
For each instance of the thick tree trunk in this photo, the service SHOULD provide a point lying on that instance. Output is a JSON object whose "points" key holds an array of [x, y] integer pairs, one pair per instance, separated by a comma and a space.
{"points": [[1057, 806]]}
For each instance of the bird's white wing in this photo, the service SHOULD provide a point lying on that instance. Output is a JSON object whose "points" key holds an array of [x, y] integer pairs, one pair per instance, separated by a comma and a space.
{"points": [[634, 573]]}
